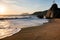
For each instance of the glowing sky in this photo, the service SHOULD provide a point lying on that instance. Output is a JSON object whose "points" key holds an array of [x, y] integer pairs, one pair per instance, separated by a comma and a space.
{"points": [[26, 6]]}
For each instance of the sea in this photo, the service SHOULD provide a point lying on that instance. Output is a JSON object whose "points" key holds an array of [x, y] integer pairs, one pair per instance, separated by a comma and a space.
{"points": [[9, 27]]}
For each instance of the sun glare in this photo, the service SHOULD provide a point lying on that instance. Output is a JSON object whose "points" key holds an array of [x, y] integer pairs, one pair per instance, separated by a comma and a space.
{"points": [[2, 9]]}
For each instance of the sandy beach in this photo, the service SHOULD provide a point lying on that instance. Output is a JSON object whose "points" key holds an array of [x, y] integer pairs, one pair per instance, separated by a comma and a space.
{"points": [[48, 31]]}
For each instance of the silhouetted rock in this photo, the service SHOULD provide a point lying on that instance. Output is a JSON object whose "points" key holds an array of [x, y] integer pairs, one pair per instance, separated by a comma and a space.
{"points": [[40, 14], [53, 12]]}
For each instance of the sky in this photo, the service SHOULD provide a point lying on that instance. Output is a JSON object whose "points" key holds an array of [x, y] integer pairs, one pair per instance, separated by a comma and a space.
{"points": [[16, 7]]}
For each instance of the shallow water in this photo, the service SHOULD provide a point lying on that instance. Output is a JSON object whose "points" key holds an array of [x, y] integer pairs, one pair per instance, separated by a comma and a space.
{"points": [[10, 27]]}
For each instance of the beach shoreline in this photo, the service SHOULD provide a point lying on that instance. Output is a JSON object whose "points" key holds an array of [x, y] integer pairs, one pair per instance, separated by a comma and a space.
{"points": [[48, 31]]}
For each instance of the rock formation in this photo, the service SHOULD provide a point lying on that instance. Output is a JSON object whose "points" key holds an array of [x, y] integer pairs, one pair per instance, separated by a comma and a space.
{"points": [[53, 12]]}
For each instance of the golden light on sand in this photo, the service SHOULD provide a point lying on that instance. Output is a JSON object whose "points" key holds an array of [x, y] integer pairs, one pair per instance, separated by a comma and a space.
{"points": [[2, 9]]}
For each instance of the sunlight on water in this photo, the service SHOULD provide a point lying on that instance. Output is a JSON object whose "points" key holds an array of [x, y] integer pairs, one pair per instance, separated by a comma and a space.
{"points": [[4, 24], [8, 32], [6, 29]]}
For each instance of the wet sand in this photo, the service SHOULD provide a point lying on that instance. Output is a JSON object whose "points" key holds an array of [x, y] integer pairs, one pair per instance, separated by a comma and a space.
{"points": [[48, 31]]}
